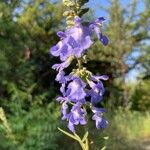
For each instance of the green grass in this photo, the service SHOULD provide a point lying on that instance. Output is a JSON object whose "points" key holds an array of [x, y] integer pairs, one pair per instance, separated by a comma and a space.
{"points": [[128, 130]]}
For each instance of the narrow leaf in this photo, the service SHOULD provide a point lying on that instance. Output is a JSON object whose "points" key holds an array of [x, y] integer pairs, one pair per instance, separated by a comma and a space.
{"points": [[83, 11], [106, 137], [79, 139], [68, 134]]}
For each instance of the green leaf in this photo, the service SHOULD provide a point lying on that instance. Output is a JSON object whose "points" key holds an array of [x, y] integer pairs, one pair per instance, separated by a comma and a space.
{"points": [[106, 137], [79, 139], [83, 11], [68, 134]]}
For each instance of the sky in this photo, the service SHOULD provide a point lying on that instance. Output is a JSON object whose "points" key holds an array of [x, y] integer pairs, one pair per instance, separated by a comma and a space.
{"points": [[96, 5]]}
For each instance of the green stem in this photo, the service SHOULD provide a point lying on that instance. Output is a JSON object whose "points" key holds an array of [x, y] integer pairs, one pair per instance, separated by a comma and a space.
{"points": [[83, 142], [79, 63], [87, 144], [82, 145]]}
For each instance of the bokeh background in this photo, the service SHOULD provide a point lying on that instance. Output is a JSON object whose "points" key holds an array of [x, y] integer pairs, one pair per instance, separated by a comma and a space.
{"points": [[29, 114]]}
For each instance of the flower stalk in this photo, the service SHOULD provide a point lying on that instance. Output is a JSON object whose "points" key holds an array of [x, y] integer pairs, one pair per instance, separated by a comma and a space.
{"points": [[79, 64]]}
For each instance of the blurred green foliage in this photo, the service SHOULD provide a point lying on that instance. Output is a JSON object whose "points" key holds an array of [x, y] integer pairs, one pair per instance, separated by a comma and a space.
{"points": [[32, 129], [30, 115], [141, 96]]}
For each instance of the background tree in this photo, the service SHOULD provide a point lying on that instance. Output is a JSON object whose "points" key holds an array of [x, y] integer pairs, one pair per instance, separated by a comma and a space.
{"points": [[127, 32], [27, 30]]}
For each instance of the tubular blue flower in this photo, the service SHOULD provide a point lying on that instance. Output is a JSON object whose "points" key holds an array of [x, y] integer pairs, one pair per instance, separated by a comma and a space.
{"points": [[64, 110], [61, 77], [63, 65], [71, 127], [99, 77], [70, 45], [98, 117], [60, 67], [66, 47], [62, 49], [76, 116], [81, 34], [96, 92], [62, 99], [95, 27], [61, 34], [75, 90]]}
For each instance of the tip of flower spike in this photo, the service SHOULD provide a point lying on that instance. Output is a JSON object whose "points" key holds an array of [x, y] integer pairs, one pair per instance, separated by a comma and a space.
{"points": [[77, 20]]}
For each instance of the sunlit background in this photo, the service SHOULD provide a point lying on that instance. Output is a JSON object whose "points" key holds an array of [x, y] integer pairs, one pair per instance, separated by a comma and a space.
{"points": [[29, 114]]}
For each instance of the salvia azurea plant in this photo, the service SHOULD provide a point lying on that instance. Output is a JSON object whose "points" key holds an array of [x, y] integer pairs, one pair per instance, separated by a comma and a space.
{"points": [[80, 89]]}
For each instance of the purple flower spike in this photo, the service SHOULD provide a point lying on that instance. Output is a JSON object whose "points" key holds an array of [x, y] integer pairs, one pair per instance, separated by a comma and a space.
{"points": [[98, 117], [75, 90], [73, 43]]}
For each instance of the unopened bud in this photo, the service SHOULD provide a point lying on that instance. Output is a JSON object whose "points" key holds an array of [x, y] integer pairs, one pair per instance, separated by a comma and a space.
{"points": [[66, 13], [70, 4]]}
